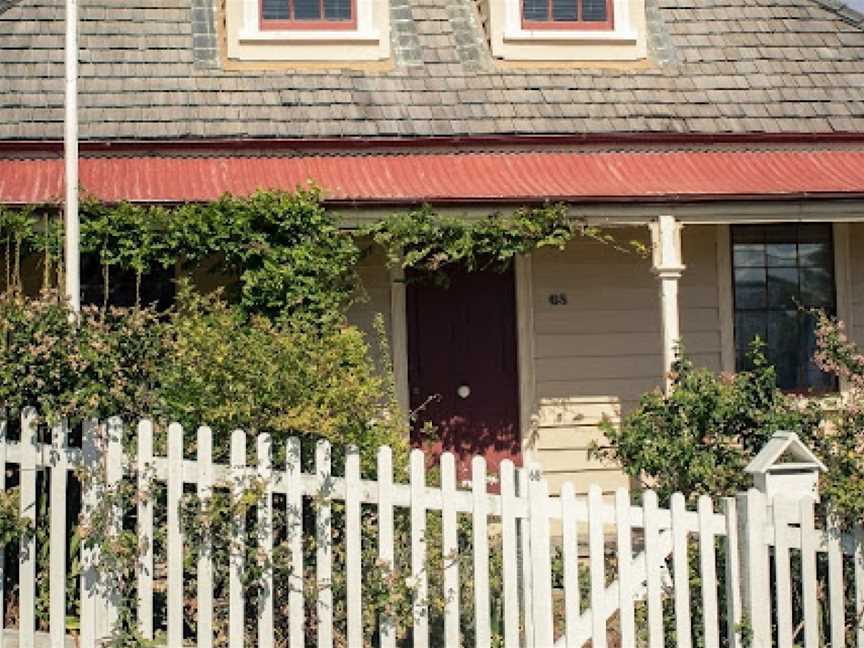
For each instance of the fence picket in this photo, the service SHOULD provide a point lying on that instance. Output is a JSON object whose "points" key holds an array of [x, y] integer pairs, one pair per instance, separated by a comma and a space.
{"points": [[418, 548], [89, 554], [113, 477], [541, 565], [858, 558], [27, 557], [708, 574], [836, 597], [265, 542], [450, 550], [625, 567], [755, 566], [353, 546], [386, 624], [324, 549], [174, 543], [236, 599], [57, 532], [783, 579], [480, 533], [570, 554], [145, 530], [733, 574], [653, 561], [205, 552], [294, 514], [509, 555], [524, 527], [597, 566], [681, 566], [809, 576]]}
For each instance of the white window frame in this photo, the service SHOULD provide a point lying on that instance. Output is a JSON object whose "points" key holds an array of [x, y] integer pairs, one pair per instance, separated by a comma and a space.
{"points": [[622, 31], [365, 31]]}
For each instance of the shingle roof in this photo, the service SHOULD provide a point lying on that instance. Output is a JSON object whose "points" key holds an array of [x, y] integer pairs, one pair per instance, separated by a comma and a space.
{"points": [[149, 71]]}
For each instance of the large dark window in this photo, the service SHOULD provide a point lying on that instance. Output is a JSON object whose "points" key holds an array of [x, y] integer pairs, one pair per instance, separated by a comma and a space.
{"points": [[307, 14], [779, 272], [563, 14], [157, 287]]}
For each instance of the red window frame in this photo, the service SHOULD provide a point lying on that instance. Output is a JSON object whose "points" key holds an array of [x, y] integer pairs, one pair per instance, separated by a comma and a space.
{"points": [[319, 25], [609, 23]]}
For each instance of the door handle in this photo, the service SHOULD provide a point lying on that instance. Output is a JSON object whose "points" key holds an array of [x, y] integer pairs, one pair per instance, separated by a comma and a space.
{"points": [[463, 391]]}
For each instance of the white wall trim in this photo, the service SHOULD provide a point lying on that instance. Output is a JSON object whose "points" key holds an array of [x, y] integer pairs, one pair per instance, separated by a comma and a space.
{"points": [[724, 299], [528, 416], [399, 337]]}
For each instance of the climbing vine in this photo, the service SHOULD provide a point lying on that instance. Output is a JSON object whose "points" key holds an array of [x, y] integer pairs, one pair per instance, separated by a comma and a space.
{"points": [[431, 243]]}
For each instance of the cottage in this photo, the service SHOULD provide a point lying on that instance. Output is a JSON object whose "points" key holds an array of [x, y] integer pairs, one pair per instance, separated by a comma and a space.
{"points": [[727, 135]]}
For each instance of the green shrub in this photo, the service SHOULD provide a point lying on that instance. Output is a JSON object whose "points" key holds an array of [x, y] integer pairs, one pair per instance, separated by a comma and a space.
{"points": [[698, 438]]}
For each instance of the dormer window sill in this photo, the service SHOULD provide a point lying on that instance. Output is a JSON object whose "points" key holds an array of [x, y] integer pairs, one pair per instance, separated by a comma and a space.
{"points": [[571, 36], [309, 36]]}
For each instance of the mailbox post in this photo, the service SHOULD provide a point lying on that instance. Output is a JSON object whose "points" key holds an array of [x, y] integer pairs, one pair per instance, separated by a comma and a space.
{"points": [[786, 468], [785, 473]]}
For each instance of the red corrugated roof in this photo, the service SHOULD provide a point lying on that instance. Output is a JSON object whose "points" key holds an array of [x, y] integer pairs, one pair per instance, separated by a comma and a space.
{"points": [[511, 176]]}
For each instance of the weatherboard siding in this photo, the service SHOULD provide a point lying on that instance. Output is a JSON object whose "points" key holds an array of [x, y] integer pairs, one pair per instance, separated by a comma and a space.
{"points": [[596, 355]]}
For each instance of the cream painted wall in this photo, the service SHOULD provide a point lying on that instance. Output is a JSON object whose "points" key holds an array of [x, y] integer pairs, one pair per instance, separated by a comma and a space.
{"points": [[599, 353], [375, 297]]}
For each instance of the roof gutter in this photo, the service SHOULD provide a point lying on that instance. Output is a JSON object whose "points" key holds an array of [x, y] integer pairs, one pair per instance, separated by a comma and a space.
{"points": [[480, 141]]}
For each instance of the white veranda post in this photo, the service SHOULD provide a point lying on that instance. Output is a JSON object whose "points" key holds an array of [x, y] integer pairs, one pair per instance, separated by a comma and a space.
{"points": [[668, 266]]}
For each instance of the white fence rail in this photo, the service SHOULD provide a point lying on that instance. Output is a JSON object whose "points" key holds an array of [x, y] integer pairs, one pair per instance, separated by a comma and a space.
{"points": [[573, 569]]}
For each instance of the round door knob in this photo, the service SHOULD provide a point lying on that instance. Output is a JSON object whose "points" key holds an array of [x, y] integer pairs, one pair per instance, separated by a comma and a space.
{"points": [[464, 391]]}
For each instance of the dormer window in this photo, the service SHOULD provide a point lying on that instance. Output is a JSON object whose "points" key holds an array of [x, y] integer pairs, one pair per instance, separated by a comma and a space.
{"points": [[308, 14], [567, 14], [566, 30], [345, 32]]}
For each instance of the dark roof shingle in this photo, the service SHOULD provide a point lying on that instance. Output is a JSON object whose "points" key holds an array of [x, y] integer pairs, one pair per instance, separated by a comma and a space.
{"points": [[149, 70]]}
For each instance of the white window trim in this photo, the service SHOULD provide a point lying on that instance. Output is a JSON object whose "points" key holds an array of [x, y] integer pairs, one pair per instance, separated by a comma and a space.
{"points": [[252, 32], [622, 32]]}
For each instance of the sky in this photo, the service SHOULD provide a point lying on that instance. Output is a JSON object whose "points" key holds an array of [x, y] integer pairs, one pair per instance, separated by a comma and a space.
{"points": [[856, 4]]}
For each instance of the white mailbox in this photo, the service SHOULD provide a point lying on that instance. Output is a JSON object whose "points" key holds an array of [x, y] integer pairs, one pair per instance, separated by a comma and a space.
{"points": [[786, 468]]}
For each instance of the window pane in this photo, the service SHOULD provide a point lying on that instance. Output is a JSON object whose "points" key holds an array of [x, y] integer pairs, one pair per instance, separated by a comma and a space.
{"points": [[780, 254], [594, 10], [748, 234], [749, 255], [812, 375], [535, 9], [337, 9], [750, 288], [749, 326], [782, 287], [307, 9], [783, 350], [817, 288], [275, 10], [565, 10], [814, 254]]}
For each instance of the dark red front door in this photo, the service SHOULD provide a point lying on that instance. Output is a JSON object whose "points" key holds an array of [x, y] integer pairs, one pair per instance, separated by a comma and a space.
{"points": [[463, 374]]}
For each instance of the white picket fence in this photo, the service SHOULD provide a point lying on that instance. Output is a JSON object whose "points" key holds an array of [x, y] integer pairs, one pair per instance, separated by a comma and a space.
{"points": [[637, 564]]}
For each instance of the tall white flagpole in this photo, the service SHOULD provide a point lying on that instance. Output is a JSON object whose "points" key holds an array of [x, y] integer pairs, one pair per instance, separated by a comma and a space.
{"points": [[70, 141]]}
